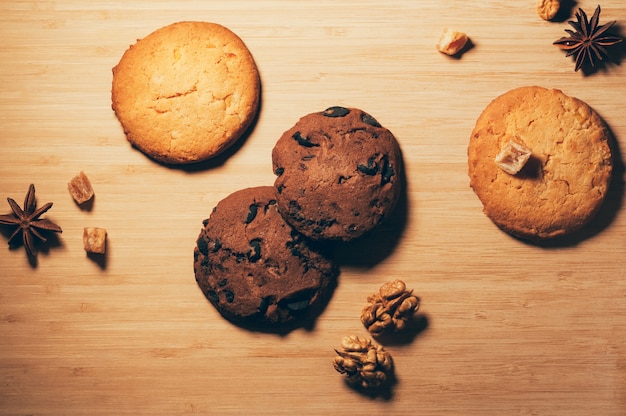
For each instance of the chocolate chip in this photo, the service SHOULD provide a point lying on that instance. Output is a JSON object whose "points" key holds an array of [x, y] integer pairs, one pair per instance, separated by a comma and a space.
{"points": [[299, 301], [367, 119], [370, 169], [299, 305], [212, 295], [251, 213], [267, 206], [255, 250], [279, 171], [336, 112], [387, 171], [217, 244], [203, 247], [265, 303], [230, 296], [293, 246], [222, 282], [303, 141]]}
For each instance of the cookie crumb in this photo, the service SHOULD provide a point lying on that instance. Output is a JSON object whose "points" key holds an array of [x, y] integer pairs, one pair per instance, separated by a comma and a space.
{"points": [[80, 188], [513, 157], [94, 240]]}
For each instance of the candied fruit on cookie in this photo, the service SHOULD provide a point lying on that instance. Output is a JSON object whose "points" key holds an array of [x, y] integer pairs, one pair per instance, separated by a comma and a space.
{"points": [[563, 185]]}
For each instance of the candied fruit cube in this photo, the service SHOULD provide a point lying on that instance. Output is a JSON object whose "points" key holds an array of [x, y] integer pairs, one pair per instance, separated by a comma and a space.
{"points": [[94, 240], [80, 188], [513, 157]]}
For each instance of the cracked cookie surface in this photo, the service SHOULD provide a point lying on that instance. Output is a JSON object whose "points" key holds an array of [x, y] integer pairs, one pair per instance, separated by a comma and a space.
{"points": [[255, 268], [186, 92], [565, 181], [338, 174]]}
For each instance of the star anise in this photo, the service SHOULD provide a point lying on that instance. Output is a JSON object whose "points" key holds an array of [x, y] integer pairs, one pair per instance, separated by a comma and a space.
{"points": [[589, 40], [28, 223]]}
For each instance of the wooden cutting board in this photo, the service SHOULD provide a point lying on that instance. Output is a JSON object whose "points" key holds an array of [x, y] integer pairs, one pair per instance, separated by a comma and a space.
{"points": [[504, 328]]}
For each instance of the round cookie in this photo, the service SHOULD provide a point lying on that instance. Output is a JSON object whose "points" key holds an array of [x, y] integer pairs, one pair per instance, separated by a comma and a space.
{"points": [[186, 92], [338, 174], [256, 269], [563, 184]]}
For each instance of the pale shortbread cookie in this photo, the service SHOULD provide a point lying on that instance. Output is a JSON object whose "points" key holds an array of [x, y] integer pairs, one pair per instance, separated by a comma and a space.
{"points": [[186, 92], [565, 181]]}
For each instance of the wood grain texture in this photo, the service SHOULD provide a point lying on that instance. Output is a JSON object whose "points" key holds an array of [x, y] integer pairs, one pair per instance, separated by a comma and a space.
{"points": [[505, 328]]}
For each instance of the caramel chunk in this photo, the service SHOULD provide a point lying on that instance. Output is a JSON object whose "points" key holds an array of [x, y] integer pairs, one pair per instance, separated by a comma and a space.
{"points": [[94, 240], [451, 42], [80, 188], [513, 157]]}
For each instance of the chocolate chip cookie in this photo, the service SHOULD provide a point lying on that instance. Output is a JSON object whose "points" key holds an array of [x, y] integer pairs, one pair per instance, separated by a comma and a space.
{"points": [[338, 174], [255, 268]]}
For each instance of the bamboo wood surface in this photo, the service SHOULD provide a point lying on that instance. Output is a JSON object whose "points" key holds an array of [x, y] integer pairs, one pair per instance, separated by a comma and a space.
{"points": [[504, 328]]}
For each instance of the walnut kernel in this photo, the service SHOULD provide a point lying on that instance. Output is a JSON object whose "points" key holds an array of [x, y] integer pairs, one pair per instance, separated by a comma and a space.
{"points": [[389, 309], [513, 157], [94, 240], [451, 42], [80, 188], [547, 9], [365, 364]]}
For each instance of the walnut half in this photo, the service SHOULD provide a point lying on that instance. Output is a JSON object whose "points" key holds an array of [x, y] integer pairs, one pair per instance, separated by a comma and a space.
{"points": [[389, 309], [365, 364]]}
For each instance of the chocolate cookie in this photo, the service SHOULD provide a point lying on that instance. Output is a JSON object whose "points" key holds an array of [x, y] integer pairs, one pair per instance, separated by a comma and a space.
{"points": [[565, 180], [186, 92], [338, 174], [255, 268]]}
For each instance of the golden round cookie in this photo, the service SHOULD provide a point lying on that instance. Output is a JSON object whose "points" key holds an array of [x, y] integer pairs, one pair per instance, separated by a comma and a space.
{"points": [[186, 92], [563, 184]]}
